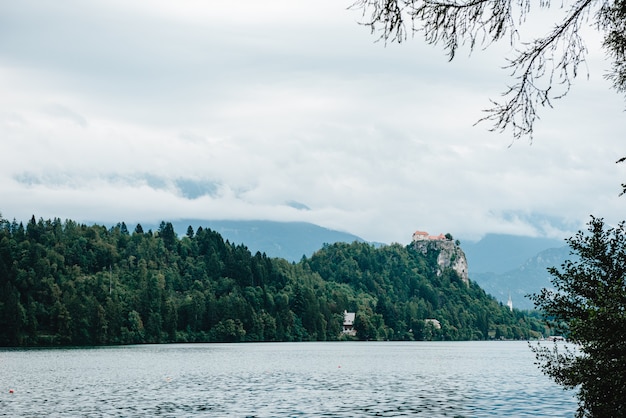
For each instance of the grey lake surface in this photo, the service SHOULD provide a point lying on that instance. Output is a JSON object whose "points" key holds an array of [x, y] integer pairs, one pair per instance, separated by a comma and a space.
{"points": [[326, 379]]}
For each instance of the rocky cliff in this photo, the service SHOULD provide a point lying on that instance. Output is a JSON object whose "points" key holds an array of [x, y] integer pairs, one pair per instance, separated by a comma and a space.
{"points": [[449, 255]]}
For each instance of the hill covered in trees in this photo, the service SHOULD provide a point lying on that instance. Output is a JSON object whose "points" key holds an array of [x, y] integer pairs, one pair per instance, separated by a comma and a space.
{"points": [[64, 283]]}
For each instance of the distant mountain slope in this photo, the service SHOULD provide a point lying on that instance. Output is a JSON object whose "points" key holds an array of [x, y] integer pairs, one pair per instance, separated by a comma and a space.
{"points": [[288, 240], [528, 278], [499, 253]]}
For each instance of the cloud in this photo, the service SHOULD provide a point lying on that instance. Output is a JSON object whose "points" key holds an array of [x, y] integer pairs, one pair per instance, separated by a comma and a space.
{"points": [[62, 112], [284, 111], [297, 205]]}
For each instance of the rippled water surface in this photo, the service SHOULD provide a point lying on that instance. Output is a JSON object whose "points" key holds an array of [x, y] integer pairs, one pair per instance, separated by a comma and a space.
{"points": [[342, 379]]}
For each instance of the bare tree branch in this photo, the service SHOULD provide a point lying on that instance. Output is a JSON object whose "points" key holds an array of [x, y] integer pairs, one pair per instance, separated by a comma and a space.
{"points": [[554, 58], [543, 69]]}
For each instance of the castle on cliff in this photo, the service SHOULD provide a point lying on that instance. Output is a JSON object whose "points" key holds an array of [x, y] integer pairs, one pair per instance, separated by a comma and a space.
{"points": [[423, 236], [449, 253]]}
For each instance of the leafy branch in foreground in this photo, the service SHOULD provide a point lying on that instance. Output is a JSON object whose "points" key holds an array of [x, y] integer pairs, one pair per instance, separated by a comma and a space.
{"points": [[543, 69], [589, 303]]}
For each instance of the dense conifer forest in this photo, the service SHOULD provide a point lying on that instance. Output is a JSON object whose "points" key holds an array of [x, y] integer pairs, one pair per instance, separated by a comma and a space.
{"points": [[65, 283]]}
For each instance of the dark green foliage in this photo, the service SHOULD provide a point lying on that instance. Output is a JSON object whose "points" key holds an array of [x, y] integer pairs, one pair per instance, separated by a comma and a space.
{"points": [[62, 283], [588, 305]]}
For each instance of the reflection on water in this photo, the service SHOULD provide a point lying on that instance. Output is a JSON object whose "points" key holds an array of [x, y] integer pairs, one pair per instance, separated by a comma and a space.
{"points": [[388, 379]]}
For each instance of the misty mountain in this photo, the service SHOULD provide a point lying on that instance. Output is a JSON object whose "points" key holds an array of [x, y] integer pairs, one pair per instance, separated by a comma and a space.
{"points": [[500, 253], [530, 277], [288, 240]]}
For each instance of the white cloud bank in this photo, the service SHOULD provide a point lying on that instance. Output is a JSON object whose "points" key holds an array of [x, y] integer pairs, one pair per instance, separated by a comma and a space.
{"points": [[283, 111]]}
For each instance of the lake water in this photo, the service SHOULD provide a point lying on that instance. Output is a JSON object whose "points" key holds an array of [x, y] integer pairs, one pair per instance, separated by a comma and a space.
{"points": [[336, 379]]}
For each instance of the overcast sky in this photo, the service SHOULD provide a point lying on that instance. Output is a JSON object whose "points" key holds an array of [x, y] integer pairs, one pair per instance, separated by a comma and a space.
{"points": [[285, 110]]}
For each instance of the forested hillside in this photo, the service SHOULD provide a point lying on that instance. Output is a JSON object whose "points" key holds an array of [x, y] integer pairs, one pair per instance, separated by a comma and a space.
{"points": [[63, 283]]}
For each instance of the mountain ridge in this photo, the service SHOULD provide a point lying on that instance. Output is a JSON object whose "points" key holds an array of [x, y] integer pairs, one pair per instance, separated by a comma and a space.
{"points": [[499, 253], [274, 238], [528, 278]]}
